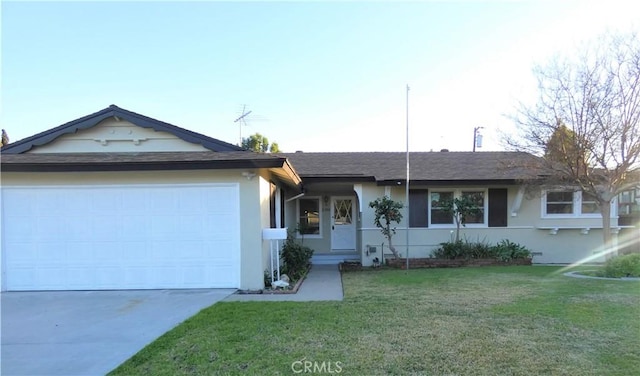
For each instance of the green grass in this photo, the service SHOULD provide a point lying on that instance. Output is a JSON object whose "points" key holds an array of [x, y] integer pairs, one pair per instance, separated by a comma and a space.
{"points": [[466, 321]]}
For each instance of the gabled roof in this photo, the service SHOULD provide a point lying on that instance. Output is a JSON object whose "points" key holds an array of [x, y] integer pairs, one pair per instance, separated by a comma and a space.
{"points": [[115, 111], [425, 167]]}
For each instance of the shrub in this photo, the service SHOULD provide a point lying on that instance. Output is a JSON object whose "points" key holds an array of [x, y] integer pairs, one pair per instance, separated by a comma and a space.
{"points": [[463, 250], [623, 266], [448, 250], [506, 250], [296, 258]]}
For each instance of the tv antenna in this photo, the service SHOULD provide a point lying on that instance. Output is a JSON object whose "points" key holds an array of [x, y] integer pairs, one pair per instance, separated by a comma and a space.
{"points": [[242, 120]]}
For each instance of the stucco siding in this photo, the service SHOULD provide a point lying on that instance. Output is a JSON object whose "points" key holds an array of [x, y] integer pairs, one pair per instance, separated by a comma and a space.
{"points": [[265, 220], [112, 135], [577, 238]]}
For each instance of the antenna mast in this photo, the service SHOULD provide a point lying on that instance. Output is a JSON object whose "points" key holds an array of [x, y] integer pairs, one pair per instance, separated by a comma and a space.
{"points": [[241, 121]]}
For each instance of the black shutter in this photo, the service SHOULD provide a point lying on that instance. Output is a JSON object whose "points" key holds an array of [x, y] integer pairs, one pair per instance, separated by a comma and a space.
{"points": [[272, 205], [418, 206], [498, 207], [281, 209]]}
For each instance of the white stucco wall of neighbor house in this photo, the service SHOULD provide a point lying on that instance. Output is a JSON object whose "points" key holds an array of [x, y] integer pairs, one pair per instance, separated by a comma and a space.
{"points": [[561, 240], [113, 135], [253, 203]]}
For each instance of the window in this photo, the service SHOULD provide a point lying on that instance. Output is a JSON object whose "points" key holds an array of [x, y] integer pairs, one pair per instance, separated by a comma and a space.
{"points": [[477, 197], [569, 203], [589, 204], [309, 216], [440, 203], [560, 202]]}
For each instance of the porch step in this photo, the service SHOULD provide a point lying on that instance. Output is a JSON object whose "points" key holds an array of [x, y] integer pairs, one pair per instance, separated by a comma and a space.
{"points": [[333, 259]]}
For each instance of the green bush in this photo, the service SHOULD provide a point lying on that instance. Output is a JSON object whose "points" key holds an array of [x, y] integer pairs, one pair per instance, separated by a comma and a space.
{"points": [[463, 250], [296, 258], [623, 266], [505, 250]]}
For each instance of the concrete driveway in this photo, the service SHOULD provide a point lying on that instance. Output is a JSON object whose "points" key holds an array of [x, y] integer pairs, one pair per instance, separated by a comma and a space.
{"points": [[89, 332]]}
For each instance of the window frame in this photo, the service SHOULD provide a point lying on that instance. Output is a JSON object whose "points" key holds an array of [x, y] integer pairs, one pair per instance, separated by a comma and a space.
{"points": [[320, 217], [430, 209], [457, 192], [576, 202]]}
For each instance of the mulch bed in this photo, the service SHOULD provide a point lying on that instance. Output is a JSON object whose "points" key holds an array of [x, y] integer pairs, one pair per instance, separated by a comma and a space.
{"points": [[277, 291]]}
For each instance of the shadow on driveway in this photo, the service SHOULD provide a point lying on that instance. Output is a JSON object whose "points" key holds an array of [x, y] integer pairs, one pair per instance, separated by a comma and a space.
{"points": [[89, 332]]}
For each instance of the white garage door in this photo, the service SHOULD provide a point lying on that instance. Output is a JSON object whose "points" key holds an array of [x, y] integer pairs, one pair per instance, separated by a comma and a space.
{"points": [[121, 237]]}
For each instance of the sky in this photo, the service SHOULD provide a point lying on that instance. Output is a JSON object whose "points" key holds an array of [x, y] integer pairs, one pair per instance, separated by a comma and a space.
{"points": [[316, 76]]}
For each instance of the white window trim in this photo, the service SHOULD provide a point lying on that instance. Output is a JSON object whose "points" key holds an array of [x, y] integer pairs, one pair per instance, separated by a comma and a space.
{"points": [[320, 217], [457, 192], [577, 206]]}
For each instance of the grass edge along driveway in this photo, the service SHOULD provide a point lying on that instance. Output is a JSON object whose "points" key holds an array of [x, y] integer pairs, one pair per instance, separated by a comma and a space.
{"points": [[467, 321]]}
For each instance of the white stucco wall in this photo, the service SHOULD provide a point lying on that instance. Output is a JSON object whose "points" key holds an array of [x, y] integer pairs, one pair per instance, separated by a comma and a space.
{"points": [[112, 135], [570, 244]]}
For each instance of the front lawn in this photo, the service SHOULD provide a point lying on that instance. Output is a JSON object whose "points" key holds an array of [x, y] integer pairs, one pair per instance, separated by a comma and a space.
{"points": [[464, 321]]}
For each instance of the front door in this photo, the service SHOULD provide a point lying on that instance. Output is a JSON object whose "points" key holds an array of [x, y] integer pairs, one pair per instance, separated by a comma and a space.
{"points": [[343, 225]]}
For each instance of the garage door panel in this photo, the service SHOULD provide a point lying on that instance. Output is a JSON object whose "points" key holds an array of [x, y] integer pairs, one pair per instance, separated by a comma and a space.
{"points": [[18, 230], [134, 228], [23, 253], [105, 227], [48, 228], [135, 252], [79, 252], [121, 237], [135, 202]]}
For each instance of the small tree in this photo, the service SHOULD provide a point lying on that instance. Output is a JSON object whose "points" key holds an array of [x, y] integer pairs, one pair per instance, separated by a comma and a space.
{"points": [[461, 208], [386, 211], [5, 138], [259, 144]]}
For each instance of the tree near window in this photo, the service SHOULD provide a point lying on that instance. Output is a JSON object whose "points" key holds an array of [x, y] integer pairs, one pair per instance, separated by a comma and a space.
{"points": [[585, 124], [463, 209], [386, 211], [259, 144]]}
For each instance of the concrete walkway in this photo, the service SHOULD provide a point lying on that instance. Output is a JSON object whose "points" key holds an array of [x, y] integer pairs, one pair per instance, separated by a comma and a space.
{"points": [[323, 282]]}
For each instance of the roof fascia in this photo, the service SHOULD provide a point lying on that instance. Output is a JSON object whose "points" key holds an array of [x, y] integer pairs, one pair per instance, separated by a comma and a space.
{"points": [[140, 166], [337, 179], [92, 120]]}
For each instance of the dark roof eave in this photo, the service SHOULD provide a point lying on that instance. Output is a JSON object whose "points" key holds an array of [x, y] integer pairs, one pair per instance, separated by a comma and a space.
{"points": [[448, 182], [142, 166], [337, 179]]}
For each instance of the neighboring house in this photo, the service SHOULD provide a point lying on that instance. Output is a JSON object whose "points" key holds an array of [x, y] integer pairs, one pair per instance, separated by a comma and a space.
{"points": [[629, 219], [117, 200]]}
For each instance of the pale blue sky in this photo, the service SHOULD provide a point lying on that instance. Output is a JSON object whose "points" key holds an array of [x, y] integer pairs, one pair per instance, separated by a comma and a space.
{"points": [[317, 76]]}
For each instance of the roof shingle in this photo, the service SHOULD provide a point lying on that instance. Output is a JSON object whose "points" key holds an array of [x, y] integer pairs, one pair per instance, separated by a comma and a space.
{"points": [[424, 166]]}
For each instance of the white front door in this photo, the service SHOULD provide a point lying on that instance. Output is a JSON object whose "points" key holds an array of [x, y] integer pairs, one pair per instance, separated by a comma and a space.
{"points": [[343, 225]]}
